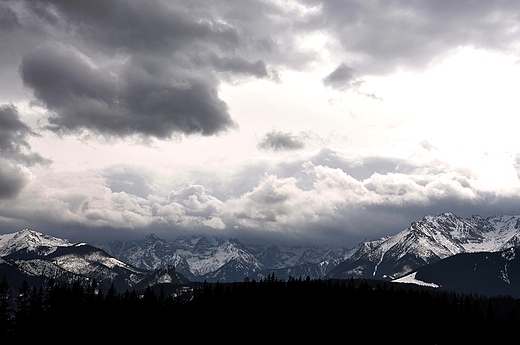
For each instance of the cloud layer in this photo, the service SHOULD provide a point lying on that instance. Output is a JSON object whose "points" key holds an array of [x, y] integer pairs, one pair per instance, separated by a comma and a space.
{"points": [[303, 198]]}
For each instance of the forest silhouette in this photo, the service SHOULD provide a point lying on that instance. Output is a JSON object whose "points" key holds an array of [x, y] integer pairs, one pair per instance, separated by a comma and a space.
{"points": [[290, 309]]}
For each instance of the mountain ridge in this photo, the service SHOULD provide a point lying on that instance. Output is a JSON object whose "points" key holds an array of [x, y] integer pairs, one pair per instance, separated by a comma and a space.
{"points": [[429, 240]]}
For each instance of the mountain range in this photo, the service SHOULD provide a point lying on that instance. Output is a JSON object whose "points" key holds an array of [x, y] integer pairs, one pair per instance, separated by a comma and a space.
{"points": [[443, 244], [212, 259]]}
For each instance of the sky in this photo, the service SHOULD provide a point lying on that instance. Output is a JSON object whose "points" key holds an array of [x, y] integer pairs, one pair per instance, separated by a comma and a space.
{"points": [[290, 122]]}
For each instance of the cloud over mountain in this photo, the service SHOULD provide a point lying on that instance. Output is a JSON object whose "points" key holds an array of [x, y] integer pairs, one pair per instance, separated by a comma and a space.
{"points": [[305, 198]]}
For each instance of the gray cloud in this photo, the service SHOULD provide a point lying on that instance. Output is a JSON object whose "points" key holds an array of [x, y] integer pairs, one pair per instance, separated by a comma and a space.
{"points": [[150, 69], [379, 37], [239, 66], [128, 179], [154, 26], [15, 152], [13, 131], [12, 180], [13, 138], [81, 95], [154, 68], [342, 78], [8, 18], [280, 141]]}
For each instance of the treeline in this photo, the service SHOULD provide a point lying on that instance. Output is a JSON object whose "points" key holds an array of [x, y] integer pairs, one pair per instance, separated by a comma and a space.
{"points": [[293, 309]]}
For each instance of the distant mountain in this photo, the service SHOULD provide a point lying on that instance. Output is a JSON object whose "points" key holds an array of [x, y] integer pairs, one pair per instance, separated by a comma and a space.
{"points": [[428, 241], [166, 275], [212, 259], [35, 257], [492, 274]]}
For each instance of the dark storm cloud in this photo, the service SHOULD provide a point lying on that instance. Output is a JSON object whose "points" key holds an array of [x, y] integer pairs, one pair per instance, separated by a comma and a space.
{"points": [[152, 69], [135, 68], [280, 141], [82, 95]]}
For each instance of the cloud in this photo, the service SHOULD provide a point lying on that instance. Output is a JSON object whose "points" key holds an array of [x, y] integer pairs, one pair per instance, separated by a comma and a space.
{"points": [[12, 180], [380, 37], [150, 70], [15, 152], [342, 78], [147, 69], [280, 141], [84, 96], [129, 179], [8, 18], [326, 196], [13, 134], [239, 66], [154, 69]]}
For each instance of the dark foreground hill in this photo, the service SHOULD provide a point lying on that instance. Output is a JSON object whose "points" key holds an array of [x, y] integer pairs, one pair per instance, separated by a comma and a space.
{"points": [[484, 273], [268, 310]]}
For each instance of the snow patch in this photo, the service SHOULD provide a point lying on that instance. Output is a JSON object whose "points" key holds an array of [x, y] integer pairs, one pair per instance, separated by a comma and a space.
{"points": [[410, 279]]}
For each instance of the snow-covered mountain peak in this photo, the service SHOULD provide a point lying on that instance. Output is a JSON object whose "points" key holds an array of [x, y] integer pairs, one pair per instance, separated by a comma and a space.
{"points": [[30, 240]]}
